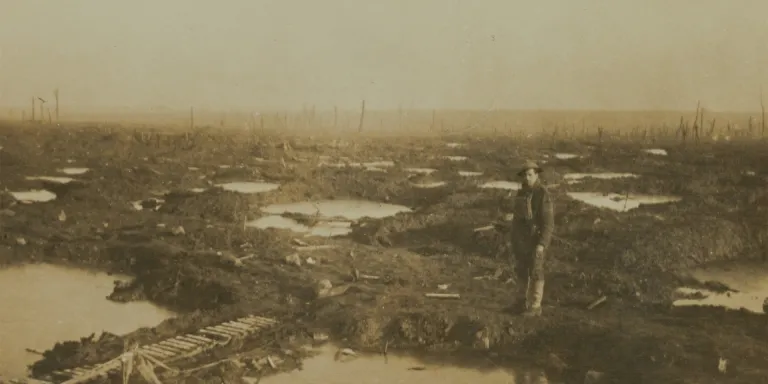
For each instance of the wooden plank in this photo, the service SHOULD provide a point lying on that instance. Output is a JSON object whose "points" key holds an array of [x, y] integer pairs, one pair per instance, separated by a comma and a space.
{"points": [[226, 331], [216, 333], [241, 332], [201, 338], [174, 350], [180, 344], [262, 321], [161, 351], [244, 327], [250, 322], [153, 353], [81, 371], [195, 341]]}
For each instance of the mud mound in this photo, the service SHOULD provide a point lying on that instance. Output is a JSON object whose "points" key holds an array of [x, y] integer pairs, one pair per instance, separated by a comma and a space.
{"points": [[684, 244], [171, 276], [211, 204]]}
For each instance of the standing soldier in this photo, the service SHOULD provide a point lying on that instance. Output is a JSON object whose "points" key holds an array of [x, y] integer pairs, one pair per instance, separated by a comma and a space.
{"points": [[532, 228]]}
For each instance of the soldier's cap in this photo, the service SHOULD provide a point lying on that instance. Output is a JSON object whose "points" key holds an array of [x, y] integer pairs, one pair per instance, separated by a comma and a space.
{"points": [[529, 165]]}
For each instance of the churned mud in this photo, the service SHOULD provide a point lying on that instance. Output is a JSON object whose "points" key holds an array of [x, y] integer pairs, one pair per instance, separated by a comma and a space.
{"points": [[196, 246]]}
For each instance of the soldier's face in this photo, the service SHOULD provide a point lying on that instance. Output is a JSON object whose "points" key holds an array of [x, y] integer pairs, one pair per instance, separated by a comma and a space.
{"points": [[530, 176]]}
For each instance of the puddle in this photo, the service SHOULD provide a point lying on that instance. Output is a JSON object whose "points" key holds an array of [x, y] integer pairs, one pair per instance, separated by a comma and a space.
{"points": [[34, 196], [456, 158], [375, 166], [324, 229], [470, 173], [501, 184], [621, 203], [45, 304], [576, 177], [73, 171], [224, 166], [151, 203], [197, 190], [656, 151], [249, 187], [348, 209], [453, 145], [433, 184], [424, 171], [193, 168], [52, 179], [566, 156], [400, 368], [749, 279]]}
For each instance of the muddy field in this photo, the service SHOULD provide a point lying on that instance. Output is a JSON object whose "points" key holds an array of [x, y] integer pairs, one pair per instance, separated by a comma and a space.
{"points": [[220, 266]]}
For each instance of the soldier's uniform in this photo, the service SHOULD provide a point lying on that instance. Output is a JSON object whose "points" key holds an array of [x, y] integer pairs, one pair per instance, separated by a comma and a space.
{"points": [[532, 227]]}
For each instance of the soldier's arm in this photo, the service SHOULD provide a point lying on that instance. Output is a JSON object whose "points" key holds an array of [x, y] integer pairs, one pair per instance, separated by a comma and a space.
{"points": [[547, 219]]}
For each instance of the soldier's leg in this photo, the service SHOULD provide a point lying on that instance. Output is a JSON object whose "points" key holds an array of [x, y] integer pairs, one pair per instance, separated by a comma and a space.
{"points": [[536, 287], [522, 269]]}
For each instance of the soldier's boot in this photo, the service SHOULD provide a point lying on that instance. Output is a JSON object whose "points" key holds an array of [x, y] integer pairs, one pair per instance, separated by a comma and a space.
{"points": [[536, 295], [521, 297], [523, 293]]}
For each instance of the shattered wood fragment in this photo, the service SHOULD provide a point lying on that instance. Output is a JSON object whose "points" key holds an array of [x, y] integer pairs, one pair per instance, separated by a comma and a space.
{"points": [[597, 302], [443, 295]]}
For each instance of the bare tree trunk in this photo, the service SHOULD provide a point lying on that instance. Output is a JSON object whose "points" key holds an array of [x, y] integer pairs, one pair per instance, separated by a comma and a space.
{"points": [[362, 118], [56, 96]]}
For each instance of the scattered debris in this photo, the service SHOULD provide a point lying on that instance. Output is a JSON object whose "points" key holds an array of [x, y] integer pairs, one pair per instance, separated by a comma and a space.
{"points": [[21, 241], [593, 377], [178, 231], [293, 259], [443, 295], [722, 365], [597, 302]]}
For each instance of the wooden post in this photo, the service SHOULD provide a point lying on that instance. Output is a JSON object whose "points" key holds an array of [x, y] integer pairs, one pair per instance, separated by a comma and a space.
{"points": [[56, 96], [762, 109], [362, 118], [432, 126], [33, 108]]}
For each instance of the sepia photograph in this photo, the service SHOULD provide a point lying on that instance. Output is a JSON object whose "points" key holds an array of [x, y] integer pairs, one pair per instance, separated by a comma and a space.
{"points": [[370, 192]]}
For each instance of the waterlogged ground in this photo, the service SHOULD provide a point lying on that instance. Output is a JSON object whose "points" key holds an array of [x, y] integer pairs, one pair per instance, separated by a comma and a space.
{"points": [[216, 225], [44, 304]]}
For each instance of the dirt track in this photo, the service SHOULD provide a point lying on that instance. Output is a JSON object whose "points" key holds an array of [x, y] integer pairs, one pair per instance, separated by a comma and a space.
{"points": [[632, 258]]}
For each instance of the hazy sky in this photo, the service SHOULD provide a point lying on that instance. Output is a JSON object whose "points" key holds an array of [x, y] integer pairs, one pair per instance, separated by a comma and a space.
{"points": [[594, 54]]}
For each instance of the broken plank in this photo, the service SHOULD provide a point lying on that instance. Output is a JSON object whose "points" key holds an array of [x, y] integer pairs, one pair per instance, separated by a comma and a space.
{"points": [[181, 344], [190, 340], [160, 351], [443, 295], [216, 333], [202, 339]]}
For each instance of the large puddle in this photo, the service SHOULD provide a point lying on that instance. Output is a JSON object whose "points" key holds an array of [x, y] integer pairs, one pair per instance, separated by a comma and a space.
{"points": [[329, 367], [749, 279], [52, 179], [577, 177], [34, 196], [73, 171], [621, 203], [502, 184], [348, 209], [44, 304], [323, 228], [249, 187]]}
